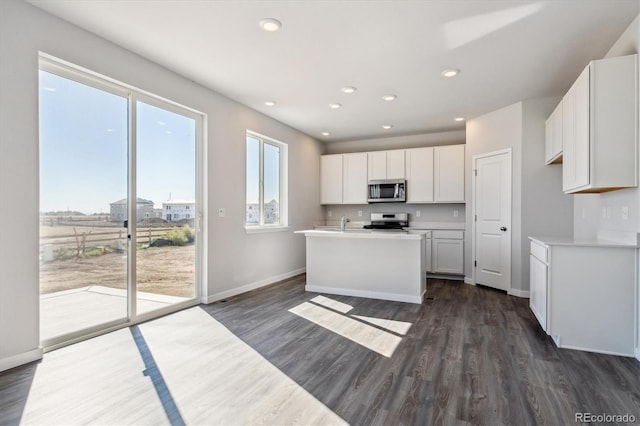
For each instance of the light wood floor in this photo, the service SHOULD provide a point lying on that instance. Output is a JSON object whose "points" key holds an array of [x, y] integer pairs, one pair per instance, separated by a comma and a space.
{"points": [[279, 355]]}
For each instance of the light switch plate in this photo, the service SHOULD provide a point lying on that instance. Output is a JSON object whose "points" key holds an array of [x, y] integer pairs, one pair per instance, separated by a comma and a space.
{"points": [[360, 213], [329, 213], [418, 213], [624, 212], [455, 213]]}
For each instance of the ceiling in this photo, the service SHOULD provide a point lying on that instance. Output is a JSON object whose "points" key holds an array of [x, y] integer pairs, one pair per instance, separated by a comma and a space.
{"points": [[506, 51]]}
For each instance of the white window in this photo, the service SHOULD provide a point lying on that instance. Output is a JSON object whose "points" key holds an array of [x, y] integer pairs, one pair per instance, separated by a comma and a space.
{"points": [[266, 202]]}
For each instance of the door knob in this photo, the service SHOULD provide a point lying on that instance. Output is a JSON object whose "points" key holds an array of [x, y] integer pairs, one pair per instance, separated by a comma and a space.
{"points": [[503, 228]]}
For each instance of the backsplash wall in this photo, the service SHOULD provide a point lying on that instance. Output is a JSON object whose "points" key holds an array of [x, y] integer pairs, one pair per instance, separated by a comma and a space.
{"points": [[428, 212]]}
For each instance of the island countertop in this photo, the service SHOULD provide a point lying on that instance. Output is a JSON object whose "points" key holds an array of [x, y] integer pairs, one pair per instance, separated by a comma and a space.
{"points": [[360, 233]]}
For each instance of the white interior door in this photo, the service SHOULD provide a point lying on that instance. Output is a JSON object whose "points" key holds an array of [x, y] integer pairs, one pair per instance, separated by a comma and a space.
{"points": [[492, 239]]}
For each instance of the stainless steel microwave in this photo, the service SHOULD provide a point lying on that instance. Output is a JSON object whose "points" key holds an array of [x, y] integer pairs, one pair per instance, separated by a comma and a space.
{"points": [[387, 191]]}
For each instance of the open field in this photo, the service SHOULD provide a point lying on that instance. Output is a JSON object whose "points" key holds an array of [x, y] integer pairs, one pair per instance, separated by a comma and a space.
{"points": [[161, 270]]}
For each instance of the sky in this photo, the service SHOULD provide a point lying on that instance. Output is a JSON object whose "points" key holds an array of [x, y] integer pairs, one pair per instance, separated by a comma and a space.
{"points": [[84, 149], [271, 171]]}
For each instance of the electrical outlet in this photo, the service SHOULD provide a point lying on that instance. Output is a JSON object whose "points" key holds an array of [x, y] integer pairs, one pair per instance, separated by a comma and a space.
{"points": [[418, 213], [329, 213], [624, 212], [360, 213], [222, 212], [455, 213]]}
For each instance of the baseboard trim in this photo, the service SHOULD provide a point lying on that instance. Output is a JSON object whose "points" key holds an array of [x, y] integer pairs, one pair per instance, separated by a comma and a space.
{"points": [[20, 359], [363, 293], [251, 286], [469, 280], [518, 293]]}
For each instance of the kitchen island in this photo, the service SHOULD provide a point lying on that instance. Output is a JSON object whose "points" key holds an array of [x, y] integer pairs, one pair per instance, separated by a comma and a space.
{"points": [[377, 265]]}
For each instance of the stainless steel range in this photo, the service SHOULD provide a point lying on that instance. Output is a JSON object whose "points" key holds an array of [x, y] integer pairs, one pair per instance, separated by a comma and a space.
{"points": [[388, 222]]}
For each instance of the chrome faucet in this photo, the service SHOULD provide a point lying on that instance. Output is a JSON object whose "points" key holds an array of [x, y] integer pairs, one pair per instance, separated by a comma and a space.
{"points": [[343, 223]]}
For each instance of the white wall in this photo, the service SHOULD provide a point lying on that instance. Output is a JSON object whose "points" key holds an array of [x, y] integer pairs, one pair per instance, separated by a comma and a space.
{"points": [[603, 211], [538, 205], [492, 132], [545, 209], [397, 142], [428, 212], [235, 260]]}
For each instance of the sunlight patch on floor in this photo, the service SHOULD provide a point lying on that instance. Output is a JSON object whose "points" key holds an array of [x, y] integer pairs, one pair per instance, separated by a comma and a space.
{"points": [[398, 327], [332, 304], [370, 337], [186, 366]]}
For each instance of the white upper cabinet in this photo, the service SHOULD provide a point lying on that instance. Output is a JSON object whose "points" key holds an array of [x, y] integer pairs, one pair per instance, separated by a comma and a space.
{"points": [[553, 137], [395, 164], [386, 164], [331, 179], [599, 127], [448, 174], [354, 178], [419, 162]]}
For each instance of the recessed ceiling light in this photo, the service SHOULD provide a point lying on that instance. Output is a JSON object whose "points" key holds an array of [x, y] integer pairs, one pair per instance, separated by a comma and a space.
{"points": [[335, 106], [387, 126], [270, 103], [325, 133], [450, 72], [389, 97], [459, 118], [348, 89], [270, 24]]}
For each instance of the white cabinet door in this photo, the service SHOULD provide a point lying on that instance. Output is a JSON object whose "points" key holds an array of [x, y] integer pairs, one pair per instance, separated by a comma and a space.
{"points": [[419, 163], [354, 182], [599, 127], [331, 179], [377, 165], [538, 296], [429, 254], [582, 130], [386, 164], [449, 174], [553, 136], [395, 164], [448, 256], [569, 140]]}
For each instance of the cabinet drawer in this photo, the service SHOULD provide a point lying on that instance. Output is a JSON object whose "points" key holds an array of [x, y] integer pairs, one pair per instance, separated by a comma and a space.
{"points": [[539, 251], [449, 235]]}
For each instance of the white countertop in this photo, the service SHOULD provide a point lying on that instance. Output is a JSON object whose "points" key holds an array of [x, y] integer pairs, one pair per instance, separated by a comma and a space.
{"points": [[570, 241], [359, 233], [415, 225]]}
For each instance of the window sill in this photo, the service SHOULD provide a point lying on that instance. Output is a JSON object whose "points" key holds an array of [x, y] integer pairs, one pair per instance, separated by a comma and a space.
{"points": [[263, 229]]}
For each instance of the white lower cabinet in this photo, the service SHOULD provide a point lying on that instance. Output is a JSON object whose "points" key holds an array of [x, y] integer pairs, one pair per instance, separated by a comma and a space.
{"points": [[538, 284], [448, 252], [583, 294]]}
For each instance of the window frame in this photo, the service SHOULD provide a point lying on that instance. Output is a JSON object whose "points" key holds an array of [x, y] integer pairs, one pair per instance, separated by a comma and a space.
{"points": [[283, 176]]}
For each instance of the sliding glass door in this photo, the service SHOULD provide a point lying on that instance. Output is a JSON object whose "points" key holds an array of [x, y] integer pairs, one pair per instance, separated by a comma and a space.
{"points": [[83, 204], [119, 205], [166, 172]]}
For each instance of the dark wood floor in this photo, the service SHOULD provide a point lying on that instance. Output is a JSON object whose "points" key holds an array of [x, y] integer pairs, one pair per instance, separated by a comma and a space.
{"points": [[473, 355]]}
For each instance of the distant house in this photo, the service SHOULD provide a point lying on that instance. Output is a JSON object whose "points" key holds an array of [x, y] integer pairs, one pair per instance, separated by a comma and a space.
{"points": [[118, 209], [173, 210], [271, 212]]}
